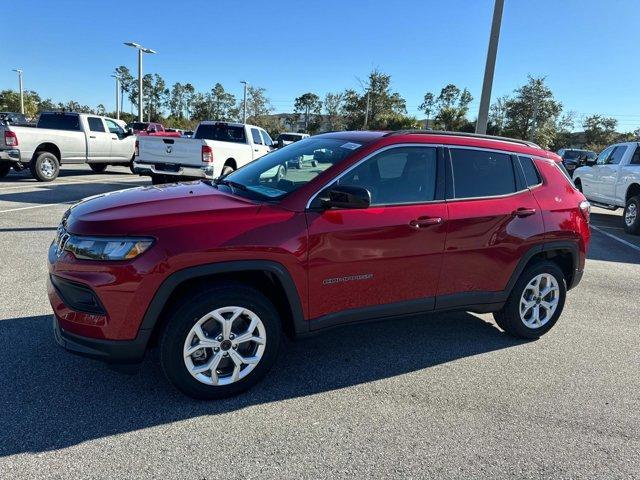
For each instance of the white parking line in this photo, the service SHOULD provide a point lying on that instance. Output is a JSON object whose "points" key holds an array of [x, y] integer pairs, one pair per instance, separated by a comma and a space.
{"points": [[624, 242], [37, 206], [71, 182]]}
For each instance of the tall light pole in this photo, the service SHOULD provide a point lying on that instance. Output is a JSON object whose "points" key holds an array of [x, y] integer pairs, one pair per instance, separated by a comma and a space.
{"points": [[485, 99], [141, 50], [19, 72], [117, 77], [244, 103]]}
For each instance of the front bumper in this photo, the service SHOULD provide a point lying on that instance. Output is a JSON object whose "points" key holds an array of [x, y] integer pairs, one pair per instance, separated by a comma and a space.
{"points": [[10, 155], [149, 169], [110, 351]]}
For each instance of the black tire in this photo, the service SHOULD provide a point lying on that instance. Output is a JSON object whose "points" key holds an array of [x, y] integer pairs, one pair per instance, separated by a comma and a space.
{"points": [[186, 313], [98, 167], [631, 221], [5, 168], [227, 169], [45, 167], [314, 163], [158, 179], [578, 185], [509, 317]]}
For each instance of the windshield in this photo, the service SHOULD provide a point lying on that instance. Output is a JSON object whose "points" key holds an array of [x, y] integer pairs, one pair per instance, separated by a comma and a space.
{"points": [[573, 154], [285, 170]]}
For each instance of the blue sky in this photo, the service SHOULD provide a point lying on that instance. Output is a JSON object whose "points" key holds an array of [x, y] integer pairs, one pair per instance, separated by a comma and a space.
{"points": [[588, 50]]}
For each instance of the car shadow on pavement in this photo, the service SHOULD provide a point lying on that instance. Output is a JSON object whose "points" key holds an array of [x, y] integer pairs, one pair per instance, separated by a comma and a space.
{"points": [[607, 249], [24, 176], [51, 399], [69, 192]]}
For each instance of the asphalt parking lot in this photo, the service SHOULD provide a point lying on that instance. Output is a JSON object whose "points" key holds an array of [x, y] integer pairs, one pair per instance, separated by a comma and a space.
{"points": [[442, 396]]}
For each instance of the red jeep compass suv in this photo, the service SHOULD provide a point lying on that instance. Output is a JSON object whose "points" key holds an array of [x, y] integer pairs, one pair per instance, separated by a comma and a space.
{"points": [[373, 225]]}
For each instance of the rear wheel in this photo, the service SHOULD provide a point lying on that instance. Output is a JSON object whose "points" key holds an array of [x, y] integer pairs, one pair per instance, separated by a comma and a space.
{"points": [[631, 215], [535, 303], [5, 168], [98, 167], [45, 167], [220, 341]]}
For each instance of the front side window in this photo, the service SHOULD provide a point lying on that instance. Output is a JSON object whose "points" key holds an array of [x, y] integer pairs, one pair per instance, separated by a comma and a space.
{"points": [[114, 127], [616, 156], [397, 176], [255, 134], [602, 158], [635, 160], [479, 173], [95, 124], [267, 139]]}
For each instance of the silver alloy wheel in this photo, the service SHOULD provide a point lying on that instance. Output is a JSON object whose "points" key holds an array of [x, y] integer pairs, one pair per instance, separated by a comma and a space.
{"points": [[539, 300], [47, 167], [224, 346], [630, 214]]}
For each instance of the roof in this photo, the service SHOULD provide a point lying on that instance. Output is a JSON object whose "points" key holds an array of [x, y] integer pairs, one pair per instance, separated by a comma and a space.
{"points": [[462, 134]]}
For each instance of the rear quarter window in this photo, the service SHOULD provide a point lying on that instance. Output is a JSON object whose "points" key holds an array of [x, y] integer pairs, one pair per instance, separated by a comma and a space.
{"points": [[531, 174]]}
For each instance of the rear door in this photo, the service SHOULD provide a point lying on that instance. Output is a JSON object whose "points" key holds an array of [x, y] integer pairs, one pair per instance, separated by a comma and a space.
{"points": [[493, 220], [385, 258], [98, 140]]}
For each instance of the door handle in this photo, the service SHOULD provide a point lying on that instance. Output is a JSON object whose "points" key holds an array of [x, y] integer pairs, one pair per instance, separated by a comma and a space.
{"points": [[422, 222], [114, 138], [523, 212], [92, 136], [256, 150]]}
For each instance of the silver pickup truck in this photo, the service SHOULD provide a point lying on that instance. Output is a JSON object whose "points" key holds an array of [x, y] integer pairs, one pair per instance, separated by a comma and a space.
{"points": [[62, 137]]}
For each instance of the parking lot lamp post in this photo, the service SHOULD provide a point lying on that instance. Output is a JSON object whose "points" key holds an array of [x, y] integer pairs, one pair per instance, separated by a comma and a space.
{"points": [[19, 72], [141, 50], [117, 96], [244, 103], [490, 66]]}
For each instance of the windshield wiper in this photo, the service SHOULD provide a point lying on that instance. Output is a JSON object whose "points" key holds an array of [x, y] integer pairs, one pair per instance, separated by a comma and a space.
{"points": [[230, 183]]}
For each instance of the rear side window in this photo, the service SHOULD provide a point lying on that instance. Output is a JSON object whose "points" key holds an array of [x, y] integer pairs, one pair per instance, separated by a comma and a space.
{"points": [[531, 175], [59, 121], [479, 173], [255, 134], [221, 133], [95, 124]]}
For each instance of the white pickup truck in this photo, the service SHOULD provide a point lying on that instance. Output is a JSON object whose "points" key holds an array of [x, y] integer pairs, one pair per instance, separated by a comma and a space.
{"points": [[216, 148], [613, 180], [61, 138]]}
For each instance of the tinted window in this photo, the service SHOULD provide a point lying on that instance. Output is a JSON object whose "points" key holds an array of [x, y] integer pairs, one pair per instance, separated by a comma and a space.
{"points": [[531, 175], [95, 124], [138, 125], [396, 176], [59, 121], [255, 134], [267, 138], [114, 127], [616, 156], [635, 160], [478, 173], [572, 154], [221, 132], [289, 137]]}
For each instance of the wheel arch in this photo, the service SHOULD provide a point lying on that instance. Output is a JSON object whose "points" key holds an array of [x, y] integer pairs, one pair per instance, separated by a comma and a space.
{"points": [[632, 191], [49, 147], [271, 278], [231, 162]]}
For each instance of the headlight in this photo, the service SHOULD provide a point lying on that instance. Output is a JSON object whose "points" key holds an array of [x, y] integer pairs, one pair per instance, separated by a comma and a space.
{"points": [[103, 248]]}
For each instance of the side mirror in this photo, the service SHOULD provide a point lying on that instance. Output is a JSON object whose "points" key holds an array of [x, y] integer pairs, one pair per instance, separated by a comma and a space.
{"points": [[346, 196]]}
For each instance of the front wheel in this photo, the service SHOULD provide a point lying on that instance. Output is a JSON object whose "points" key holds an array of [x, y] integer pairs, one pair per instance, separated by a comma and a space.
{"points": [[631, 215], [226, 170], [45, 167], [535, 303], [220, 341]]}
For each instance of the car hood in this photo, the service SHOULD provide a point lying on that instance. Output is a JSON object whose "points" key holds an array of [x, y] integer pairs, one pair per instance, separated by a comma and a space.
{"points": [[143, 210]]}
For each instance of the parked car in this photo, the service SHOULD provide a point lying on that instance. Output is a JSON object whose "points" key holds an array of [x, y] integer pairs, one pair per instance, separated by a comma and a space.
{"points": [[14, 118], [287, 138], [151, 128], [573, 158], [64, 137], [612, 181], [217, 148], [213, 272]]}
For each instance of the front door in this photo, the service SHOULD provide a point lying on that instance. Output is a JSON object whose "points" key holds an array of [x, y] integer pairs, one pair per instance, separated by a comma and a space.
{"points": [[122, 146], [385, 259], [493, 220], [608, 173], [259, 147], [98, 140]]}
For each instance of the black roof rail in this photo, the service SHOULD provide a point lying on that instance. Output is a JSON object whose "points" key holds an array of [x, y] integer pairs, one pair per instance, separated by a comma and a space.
{"points": [[462, 134]]}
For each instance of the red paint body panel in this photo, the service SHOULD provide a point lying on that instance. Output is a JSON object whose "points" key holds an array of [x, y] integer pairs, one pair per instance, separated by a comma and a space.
{"points": [[474, 249]]}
